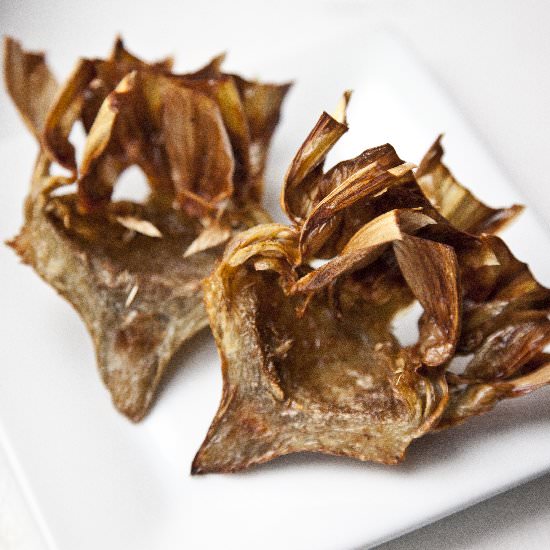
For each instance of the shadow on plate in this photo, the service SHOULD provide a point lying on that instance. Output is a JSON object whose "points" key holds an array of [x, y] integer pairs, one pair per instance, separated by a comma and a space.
{"points": [[185, 359]]}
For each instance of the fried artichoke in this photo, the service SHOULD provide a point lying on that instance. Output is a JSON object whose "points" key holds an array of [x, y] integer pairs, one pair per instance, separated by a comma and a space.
{"points": [[133, 270], [309, 358]]}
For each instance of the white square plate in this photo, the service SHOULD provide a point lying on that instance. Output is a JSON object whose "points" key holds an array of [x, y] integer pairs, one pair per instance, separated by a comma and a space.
{"points": [[97, 481]]}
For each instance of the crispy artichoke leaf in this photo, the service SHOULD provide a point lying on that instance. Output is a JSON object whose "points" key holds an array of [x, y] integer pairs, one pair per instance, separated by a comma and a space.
{"points": [[454, 201], [344, 210], [479, 398], [63, 114], [83, 94], [309, 361], [123, 265], [211, 236], [30, 83], [311, 383], [506, 350], [497, 293], [198, 147], [250, 112], [365, 246], [431, 271], [261, 104], [194, 164], [299, 189]]}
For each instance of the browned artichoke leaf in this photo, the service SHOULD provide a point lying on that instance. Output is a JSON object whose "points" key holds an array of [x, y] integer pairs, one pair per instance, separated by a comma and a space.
{"points": [[365, 246], [104, 157], [299, 193], [64, 112], [223, 89], [504, 320], [127, 131], [225, 92], [316, 382], [330, 207], [198, 148], [192, 164], [497, 293], [454, 201], [309, 360], [262, 107], [132, 270], [211, 236], [345, 208], [109, 72], [478, 398], [83, 94], [431, 271], [250, 112], [506, 350], [30, 83]]}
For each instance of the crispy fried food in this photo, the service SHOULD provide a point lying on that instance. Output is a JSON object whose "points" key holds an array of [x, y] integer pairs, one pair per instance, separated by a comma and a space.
{"points": [[309, 359], [132, 270]]}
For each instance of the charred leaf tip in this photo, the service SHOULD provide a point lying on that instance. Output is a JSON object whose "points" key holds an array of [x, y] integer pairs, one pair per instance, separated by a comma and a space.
{"points": [[196, 470]]}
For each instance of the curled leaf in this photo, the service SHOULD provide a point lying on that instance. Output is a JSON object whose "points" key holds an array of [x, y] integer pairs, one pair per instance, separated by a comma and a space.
{"points": [[431, 271], [301, 178], [365, 246], [456, 203]]}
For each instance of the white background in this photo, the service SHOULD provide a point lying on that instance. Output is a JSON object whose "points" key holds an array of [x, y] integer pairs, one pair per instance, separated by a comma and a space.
{"points": [[491, 56]]}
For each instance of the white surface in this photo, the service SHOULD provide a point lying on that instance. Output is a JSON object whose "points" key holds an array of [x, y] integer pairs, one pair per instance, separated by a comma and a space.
{"points": [[56, 464], [516, 519], [18, 523]]}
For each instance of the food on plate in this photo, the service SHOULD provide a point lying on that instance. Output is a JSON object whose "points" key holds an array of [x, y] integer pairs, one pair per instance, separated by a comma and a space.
{"points": [[309, 358], [131, 269]]}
